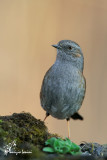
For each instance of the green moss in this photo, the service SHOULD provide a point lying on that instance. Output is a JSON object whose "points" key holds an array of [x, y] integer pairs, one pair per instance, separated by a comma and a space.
{"points": [[1, 121], [27, 131], [30, 134]]}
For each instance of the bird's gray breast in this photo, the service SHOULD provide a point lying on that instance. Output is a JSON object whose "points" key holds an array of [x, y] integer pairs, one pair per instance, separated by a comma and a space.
{"points": [[62, 91]]}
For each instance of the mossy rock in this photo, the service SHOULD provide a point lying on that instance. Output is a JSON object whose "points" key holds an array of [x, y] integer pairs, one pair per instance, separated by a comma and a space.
{"points": [[23, 132], [28, 133]]}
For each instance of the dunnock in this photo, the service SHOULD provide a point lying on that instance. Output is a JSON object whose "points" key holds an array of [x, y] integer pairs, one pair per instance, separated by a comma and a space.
{"points": [[64, 85]]}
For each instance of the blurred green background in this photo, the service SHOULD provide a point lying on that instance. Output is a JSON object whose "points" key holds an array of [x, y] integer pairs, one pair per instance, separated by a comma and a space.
{"points": [[28, 28]]}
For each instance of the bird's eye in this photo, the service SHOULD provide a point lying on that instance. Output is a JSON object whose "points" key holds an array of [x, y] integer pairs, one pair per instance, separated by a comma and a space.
{"points": [[70, 47]]}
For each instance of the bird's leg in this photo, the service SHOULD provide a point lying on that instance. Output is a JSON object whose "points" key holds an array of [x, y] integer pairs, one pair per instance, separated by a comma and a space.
{"points": [[47, 114], [68, 119]]}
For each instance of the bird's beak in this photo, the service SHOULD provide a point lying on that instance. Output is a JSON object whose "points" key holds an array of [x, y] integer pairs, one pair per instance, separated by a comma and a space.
{"points": [[56, 46]]}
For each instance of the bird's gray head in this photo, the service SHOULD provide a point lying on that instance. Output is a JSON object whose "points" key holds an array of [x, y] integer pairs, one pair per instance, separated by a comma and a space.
{"points": [[70, 51]]}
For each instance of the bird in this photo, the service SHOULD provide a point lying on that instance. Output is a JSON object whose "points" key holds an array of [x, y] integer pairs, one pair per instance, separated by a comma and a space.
{"points": [[64, 85]]}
